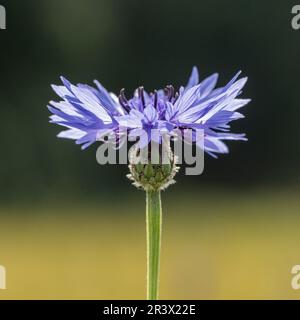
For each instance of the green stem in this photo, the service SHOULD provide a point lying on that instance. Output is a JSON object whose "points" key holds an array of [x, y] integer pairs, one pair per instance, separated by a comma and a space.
{"points": [[154, 222]]}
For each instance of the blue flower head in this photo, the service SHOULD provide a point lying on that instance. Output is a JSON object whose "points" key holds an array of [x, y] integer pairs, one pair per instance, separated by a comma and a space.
{"points": [[90, 113]]}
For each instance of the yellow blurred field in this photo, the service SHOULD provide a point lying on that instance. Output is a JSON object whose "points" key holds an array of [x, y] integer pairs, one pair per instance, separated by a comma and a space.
{"points": [[230, 247]]}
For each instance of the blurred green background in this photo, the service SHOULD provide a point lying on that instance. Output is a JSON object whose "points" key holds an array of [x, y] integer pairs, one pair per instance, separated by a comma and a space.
{"points": [[73, 229]]}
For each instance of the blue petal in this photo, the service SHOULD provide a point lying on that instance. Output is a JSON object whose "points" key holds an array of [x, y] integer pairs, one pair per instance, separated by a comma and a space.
{"points": [[194, 78], [151, 114]]}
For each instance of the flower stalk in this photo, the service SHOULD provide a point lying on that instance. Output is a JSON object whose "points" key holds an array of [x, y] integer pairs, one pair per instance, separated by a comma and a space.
{"points": [[152, 178], [154, 229]]}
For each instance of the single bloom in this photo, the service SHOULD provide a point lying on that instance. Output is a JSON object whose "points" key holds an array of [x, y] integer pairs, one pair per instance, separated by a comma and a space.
{"points": [[92, 113]]}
